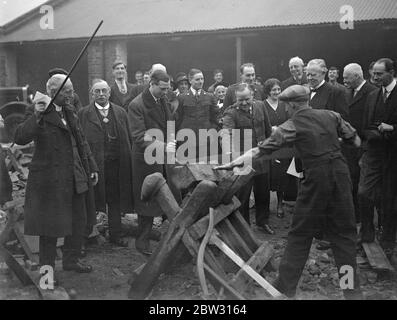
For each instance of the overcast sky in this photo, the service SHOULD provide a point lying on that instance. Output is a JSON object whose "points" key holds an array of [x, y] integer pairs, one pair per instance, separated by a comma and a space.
{"points": [[11, 9]]}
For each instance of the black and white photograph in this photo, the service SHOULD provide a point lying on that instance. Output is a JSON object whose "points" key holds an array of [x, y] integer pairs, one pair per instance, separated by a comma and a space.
{"points": [[198, 155]]}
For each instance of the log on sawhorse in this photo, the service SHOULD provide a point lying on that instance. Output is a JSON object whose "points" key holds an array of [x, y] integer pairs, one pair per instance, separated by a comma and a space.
{"points": [[26, 277], [234, 228]]}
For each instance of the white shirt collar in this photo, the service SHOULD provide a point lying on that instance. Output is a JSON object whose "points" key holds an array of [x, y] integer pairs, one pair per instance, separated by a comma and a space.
{"points": [[195, 91], [121, 83], [155, 99], [360, 86], [391, 86], [320, 85], [99, 107], [57, 108]]}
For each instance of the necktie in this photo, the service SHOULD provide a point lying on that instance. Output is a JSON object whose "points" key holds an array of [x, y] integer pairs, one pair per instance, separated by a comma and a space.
{"points": [[385, 94], [197, 95], [104, 113]]}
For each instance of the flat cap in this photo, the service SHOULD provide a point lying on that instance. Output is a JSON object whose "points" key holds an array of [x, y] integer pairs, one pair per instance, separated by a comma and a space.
{"points": [[181, 77], [295, 93], [57, 71]]}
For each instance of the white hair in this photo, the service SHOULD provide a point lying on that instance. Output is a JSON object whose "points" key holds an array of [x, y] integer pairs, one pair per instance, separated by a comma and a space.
{"points": [[97, 81], [320, 63], [158, 66], [355, 69], [296, 60], [55, 82]]}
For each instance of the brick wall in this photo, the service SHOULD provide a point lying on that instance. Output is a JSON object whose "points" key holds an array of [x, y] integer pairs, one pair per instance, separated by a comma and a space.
{"points": [[8, 67], [95, 61]]}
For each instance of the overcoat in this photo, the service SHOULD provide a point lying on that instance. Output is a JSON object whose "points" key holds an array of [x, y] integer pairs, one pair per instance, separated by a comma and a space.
{"points": [[50, 186], [144, 114], [92, 128]]}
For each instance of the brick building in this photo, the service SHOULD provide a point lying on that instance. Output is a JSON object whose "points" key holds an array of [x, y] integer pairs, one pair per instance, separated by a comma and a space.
{"points": [[182, 34]]}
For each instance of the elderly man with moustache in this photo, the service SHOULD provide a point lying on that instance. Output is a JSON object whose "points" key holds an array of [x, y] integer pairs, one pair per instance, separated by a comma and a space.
{"points": [[249, 115], [378, 176], [59, 194], [358, 91], [296, 67], [107, 131], [247, 74], [324, 95], [323, 205]]}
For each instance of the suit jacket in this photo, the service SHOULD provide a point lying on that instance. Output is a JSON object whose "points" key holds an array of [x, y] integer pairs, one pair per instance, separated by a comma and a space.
{"points": [[122, 100], [383, 147], [50, 187], [389, 116], [195, 114], [331, 98], [291, 81], [230, 97], [92, 128], [143, 115], [356, 106], [257, 120]]}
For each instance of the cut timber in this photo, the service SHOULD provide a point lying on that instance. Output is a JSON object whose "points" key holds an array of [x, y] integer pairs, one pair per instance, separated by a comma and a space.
{"points": [[199, 229], [257, 262], [245, 267], [376, 257], [244, 230], [199, 201]]}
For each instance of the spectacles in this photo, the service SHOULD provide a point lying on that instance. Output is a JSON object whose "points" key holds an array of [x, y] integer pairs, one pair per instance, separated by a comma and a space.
{"points": [[99, 91]]}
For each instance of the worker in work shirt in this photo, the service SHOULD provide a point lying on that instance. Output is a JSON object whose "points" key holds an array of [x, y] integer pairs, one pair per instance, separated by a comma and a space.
{"points": [[323, 202]]}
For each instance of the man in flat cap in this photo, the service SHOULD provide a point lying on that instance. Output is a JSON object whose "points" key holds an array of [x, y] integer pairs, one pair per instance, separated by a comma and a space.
{"points": [[323, 203]]}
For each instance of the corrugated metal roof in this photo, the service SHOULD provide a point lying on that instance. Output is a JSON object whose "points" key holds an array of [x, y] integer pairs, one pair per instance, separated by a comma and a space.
{"points": [[78, 18]]}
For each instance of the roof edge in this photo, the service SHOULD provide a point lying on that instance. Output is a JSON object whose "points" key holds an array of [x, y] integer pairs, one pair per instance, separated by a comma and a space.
{"points": [[13, 24]]}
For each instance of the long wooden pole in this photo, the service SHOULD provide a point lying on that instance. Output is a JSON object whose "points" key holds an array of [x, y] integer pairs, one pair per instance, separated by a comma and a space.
{"points": [[76, 62]]}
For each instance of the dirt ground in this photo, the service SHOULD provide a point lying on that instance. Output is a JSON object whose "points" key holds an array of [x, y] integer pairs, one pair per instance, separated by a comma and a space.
{"points": [[113, 267]]}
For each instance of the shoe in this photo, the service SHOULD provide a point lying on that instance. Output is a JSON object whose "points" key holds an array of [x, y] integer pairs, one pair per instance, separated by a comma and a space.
{"points": [[143, 247], [265, 227], [78, 266], [119, 242], [323, 245], [83, 252]]}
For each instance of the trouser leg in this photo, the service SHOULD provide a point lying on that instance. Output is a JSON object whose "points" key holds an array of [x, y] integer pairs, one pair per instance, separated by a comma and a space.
{"points": [[145, 224], [262, 198], [47, 250], [114, 218], [73, 243], [244, 196], [112, 189], [367, 218]]}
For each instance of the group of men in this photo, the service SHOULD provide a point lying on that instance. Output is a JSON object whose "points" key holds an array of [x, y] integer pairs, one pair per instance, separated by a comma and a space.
{"points": [[93, 159]]}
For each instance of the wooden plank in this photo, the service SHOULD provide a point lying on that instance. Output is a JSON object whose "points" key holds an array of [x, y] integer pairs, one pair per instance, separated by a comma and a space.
{"points": [[24, 245], [244, 230], [14, 265], [200, 201], [198, 229], [245, 267], [230, 239], [376, 257], [258, 260]]}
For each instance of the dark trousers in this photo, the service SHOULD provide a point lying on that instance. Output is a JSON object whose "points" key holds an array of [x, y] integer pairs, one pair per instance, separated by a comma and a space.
{"points": [[323, 205], [112, 189], [353, 156], [370, 184], [260, 183], [145, 224], [72, 243]]}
